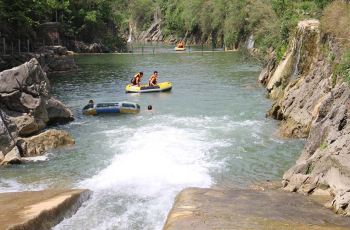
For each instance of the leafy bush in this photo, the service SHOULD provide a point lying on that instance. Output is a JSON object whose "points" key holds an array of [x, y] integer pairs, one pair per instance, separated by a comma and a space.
{"points": [[336, 21], [343, 68]]}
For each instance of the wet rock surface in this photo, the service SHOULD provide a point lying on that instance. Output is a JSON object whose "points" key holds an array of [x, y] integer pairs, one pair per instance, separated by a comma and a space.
{"points": [[39, 209], [199, 208]]}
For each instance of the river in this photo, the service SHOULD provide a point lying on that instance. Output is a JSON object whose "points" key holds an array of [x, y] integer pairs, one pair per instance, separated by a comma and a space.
{"points": [[209, 130]]}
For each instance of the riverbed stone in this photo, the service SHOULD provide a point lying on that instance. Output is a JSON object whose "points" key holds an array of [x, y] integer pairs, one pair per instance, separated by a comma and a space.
{"points": [[39, 210], [206, 208], [45, 141]]}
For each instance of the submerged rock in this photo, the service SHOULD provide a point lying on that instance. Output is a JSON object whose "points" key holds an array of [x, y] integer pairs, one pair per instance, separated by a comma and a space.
{"points": [[202, 208], [39, 210]]}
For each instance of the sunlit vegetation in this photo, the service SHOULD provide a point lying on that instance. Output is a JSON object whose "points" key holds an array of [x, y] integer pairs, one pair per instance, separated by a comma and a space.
{"points": [[219, 23]]}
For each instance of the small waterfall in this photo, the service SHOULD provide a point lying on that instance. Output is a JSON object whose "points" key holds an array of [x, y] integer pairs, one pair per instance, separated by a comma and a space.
{"points": [[130, 34], [298, 45], [250, 42]]}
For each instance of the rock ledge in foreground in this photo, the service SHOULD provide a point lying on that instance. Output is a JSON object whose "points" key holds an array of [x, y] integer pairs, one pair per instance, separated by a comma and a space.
{"points": [[37, 210], [204, 209]]}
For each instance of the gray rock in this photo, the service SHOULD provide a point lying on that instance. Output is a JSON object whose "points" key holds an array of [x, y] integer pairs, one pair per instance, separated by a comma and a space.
{"points": [[57, 111], [27, 107], [8, 133], [12, 157], [25, 92]]}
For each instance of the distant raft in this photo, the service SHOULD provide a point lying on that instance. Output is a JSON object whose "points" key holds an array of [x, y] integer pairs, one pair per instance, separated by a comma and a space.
{"points": [[112, 108], [180, 49], [161, 87]]}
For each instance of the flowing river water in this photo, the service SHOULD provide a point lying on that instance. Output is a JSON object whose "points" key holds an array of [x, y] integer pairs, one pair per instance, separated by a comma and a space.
{"points": [[209, 130]]}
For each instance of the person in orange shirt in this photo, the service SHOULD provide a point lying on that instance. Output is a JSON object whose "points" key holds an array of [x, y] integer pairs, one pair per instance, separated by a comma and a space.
{"points": [[181, 44], [136, 80], [153, 79]]}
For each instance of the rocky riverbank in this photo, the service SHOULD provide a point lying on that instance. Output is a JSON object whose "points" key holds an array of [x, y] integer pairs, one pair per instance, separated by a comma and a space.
{"points": [[39, 210], [52, 59], [312, 103], [26, 109]]}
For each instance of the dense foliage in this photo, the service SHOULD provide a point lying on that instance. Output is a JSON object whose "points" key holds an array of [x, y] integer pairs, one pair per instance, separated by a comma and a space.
{"points": [[85, 20], [229, 22], [215, 22]]}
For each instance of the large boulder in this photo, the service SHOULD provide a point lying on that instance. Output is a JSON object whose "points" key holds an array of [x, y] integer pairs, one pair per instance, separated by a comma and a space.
{"points": [[26, 108], [26, 94]]}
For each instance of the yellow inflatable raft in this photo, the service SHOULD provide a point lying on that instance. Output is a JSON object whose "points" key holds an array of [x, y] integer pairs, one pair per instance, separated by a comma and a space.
{"points": [[180, 49], [161, 87]]}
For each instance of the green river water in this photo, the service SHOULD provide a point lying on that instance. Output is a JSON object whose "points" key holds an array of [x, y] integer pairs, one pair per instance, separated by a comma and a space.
{"points": [[209, 130]]}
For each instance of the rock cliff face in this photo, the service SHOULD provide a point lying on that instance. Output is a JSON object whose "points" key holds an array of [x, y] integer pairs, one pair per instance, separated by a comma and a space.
{"points": [[311, 104], [154, 33], [26, 108]]}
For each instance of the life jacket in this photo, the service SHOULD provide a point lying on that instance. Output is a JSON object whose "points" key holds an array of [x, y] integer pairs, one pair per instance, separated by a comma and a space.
{"points": [[180, 45], [153, 80], [133, 80]]}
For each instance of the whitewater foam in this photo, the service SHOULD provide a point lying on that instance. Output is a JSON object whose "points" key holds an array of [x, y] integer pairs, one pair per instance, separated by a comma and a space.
{"points": [[151, 164]]}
